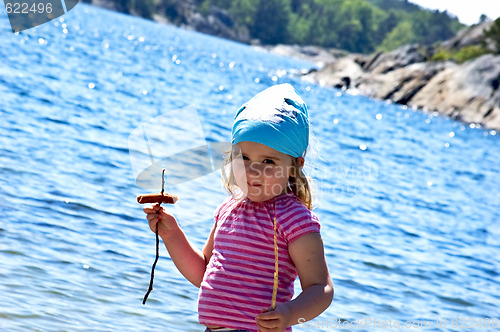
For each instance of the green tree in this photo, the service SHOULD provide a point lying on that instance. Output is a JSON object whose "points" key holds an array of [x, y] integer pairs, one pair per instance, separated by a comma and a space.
{"points": [[400, 35], [430, 27], [271, 21], [469, 52], [169, 9], [325, 22], [243, 12], [492, 35], [353, 25], [439, 28], [386, 25], [299, 28], [221, 3], [145, 8], [356, 30], [301, 23]]}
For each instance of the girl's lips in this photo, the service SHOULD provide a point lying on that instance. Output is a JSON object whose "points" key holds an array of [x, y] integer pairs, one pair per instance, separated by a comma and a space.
{"points": [[254, 184]]}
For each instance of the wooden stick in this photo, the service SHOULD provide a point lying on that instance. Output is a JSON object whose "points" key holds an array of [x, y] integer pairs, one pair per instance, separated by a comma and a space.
{"points": [[156, 198], [154, 265]]}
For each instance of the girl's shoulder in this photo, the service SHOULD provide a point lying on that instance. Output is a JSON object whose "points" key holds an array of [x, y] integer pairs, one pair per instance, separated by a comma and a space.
{"points": [[227, 204], [289, 201], [294, 219], [291, 209]]}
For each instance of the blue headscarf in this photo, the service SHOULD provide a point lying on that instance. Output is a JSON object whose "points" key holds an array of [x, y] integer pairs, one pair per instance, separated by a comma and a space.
{"points": [[276, 117]]}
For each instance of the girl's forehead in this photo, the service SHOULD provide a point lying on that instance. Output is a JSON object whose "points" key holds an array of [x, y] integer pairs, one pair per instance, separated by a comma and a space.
{"points": [[259, 149]]}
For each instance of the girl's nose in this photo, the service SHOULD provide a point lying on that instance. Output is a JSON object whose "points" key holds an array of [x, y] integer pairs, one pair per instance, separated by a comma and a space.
{"points": [[253, 169]]}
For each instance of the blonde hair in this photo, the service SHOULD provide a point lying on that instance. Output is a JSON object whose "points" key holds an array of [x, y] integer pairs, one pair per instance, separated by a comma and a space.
{"points": [[298, 183]]}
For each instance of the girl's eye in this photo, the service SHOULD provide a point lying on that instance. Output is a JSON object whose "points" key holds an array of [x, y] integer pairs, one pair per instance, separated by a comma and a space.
{"points": [[245, 158], [268, 161]]}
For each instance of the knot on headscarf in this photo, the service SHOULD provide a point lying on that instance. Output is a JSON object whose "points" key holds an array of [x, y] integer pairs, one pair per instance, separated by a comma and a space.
{"points": [[276, 117]]}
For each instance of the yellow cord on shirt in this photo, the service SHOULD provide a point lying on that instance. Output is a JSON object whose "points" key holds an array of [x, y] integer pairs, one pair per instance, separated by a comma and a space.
{"points": [[275, 286]]}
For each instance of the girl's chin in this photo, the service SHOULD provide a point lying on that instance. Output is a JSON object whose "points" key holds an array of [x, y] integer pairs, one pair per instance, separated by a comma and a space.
{"points": [[259, 196], [257, 199]]}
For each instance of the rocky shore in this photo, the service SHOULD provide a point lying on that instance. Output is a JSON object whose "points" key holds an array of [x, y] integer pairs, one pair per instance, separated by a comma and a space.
{"points": [[468, 92]]}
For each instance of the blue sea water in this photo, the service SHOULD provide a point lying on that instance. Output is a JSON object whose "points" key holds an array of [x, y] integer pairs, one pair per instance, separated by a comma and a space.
{"points": [[409, 202]]}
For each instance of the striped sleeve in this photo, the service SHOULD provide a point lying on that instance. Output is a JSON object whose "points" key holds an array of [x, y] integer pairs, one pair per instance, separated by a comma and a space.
{"points": [[296, 220], [222, 206]]}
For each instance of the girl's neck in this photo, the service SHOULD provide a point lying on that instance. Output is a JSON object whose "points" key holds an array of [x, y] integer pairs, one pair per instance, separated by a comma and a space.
{"points": [[271, 200]]}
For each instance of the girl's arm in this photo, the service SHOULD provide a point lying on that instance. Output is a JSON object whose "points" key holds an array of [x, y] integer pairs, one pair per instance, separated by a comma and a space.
{"points": [[307, 253], [190, 261]]}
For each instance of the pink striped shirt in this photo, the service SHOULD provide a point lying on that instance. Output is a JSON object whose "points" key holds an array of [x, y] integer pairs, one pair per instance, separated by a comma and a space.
{"points": [[238, 281]]}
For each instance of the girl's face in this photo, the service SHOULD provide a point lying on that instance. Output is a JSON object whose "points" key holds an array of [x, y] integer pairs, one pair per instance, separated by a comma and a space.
{"points": [[261, 172]]}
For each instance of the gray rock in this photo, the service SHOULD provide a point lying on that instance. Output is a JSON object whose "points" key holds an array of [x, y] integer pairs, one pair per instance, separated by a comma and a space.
{"points": [[217, 23], [401, 57], [469, 92], [340, 74], [399, 85], [466, 37], [318, 55]]}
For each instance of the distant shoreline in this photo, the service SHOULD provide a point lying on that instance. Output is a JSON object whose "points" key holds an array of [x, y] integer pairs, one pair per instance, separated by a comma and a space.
{"points": [[467, 92]]}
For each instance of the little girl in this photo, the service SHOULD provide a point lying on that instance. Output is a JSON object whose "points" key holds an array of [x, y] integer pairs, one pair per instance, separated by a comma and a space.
{"points": [[267, 220]]}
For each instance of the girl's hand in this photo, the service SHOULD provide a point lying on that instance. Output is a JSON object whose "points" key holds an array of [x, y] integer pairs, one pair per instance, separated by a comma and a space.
{"points": [[167, 225], [274, 321]]}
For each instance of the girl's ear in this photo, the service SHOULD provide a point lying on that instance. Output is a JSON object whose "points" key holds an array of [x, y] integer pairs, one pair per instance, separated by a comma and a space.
{"points": [[300, 162]]}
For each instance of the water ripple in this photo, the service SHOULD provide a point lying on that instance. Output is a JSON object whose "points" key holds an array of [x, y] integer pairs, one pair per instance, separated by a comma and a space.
{"points": [[409, 213]]}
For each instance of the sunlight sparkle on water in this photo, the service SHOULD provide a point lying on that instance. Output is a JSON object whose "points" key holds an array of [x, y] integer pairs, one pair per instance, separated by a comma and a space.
{"points": [[80, 213]]}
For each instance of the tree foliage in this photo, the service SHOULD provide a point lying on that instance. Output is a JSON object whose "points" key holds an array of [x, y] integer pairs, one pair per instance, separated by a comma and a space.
{"points": [[270, 20], [488, 43], [492, 35], [353, 25]]}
